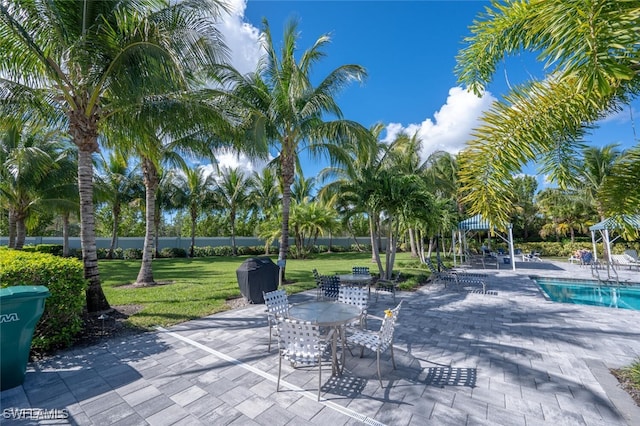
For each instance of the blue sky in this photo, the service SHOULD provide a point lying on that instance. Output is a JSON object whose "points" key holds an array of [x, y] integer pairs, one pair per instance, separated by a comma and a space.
{"points": [[408, 49]]}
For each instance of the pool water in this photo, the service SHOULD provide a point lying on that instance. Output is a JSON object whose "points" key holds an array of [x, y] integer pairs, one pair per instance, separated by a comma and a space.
{"points": [[586, 292]]}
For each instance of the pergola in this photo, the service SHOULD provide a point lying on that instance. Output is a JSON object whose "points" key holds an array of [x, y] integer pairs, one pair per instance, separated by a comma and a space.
{"points": [[611, 224], [479, 223]]}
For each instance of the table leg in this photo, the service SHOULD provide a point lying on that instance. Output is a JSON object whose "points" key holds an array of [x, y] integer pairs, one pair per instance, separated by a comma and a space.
{"points": [[334, 355]]}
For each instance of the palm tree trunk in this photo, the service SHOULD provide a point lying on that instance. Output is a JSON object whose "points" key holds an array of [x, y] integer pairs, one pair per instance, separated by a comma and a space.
{"points": [[232, 219], [96, 300], [65, 234], [21, 231], [194, 219], [375, 254], [156, 233], [374, 247], [12, 228], [287, 166], [114, 230], [412, 243], [145, 276]]}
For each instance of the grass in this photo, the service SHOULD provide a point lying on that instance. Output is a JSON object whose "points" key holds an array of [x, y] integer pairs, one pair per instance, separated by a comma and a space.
{"points": [[629, 378], [194, 288]]}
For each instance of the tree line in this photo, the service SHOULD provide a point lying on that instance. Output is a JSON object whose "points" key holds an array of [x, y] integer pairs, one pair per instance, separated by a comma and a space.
{"points": [[102, 99]]}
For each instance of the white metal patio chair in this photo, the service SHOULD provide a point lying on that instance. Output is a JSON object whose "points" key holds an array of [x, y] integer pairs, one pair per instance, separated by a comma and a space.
{"points": [[277, 304], [360, 270], [378, 341], [329, 287], [388, 286], [299, 342], [357, 296]]}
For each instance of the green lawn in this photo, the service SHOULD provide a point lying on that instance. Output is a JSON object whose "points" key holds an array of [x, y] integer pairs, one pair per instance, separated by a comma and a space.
{"points": [[193, 288]]}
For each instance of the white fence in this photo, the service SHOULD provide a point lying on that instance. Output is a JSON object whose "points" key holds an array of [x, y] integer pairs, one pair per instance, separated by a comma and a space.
{"points": [[184, 242]]}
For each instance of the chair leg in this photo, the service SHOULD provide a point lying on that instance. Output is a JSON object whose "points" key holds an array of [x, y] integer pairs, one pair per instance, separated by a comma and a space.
{"points": [[378, 363], [270, 330], [393, 361], [343, 334], [279, 370], [319, 375]]}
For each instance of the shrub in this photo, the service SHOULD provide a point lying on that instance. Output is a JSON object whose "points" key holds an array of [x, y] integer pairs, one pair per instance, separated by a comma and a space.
{"points": [[206, 251], [131, 254], [64, 277], [55, 249], [173, 252], [222, 251]]}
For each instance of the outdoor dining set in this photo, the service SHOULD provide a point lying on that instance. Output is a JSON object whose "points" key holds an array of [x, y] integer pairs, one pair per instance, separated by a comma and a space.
{"points": [[306, 331]]}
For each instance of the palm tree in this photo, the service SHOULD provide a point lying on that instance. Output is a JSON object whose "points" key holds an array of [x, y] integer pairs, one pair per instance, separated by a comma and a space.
{"points": [[287, 111], [116, 184], [266, 196], [591, 51], [596, 166], [98, 61], [36, 168], [194, 191], [524, 211], [365, 159], [302, 188], [232, 193]]}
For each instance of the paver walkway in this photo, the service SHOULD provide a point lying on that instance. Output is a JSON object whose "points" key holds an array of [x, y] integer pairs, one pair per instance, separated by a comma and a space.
{"points": [[509, 357]]}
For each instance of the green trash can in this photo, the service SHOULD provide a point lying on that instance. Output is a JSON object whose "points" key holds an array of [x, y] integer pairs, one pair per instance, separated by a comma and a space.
{"points": [[20, 309]]}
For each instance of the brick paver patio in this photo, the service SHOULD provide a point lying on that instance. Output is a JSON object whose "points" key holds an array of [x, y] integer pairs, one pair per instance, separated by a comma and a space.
{"points": [[508, 357]]}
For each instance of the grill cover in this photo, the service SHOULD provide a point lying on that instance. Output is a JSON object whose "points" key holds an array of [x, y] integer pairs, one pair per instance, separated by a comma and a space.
{"points": [[255, 275]]}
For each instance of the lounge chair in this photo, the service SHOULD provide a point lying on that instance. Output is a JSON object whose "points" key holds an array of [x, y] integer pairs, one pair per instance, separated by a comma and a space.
{"points": [[633, 254], [534, 256], [624, 260]]}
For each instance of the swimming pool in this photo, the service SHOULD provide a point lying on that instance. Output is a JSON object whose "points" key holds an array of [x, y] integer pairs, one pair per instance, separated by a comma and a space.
{"points": [[587, 292]]}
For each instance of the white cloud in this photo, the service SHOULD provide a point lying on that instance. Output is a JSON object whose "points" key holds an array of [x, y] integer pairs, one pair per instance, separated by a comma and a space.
{"points": [[451, 126], [228, 159], [243, 39]]}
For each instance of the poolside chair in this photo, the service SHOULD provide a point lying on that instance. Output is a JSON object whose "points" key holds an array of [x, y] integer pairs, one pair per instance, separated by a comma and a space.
{"points": [[534, 256], [632, 253], [436, 276], [624, 260], [378, 341], [360, 270], [358, 296], [277, 306], [587, 258], [329, 287], [299, 342], [388, 286]]}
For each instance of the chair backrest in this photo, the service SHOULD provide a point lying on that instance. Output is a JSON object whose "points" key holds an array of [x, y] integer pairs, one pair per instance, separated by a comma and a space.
{"points": [[388, 326], [277, 303], [329, 286], [431, 266], [360, 270], [358, 296], [299, 341], [587, 257], [632, 253], [442, 266]]}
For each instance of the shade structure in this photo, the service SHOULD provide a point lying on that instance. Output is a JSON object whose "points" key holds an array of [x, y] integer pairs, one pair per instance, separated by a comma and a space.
{"points": [[612, 223], [479, 223], [616, 223]]}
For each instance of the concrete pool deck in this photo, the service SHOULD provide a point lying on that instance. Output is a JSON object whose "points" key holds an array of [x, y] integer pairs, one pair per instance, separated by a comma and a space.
{"points": [[508, 357]]}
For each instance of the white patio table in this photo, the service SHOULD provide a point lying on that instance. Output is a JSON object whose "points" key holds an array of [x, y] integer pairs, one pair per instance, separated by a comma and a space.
{"points": [[359, 280]]}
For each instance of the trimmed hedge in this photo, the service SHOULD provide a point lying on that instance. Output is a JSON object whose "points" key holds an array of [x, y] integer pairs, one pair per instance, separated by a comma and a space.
{"points": [[64, 277]]}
